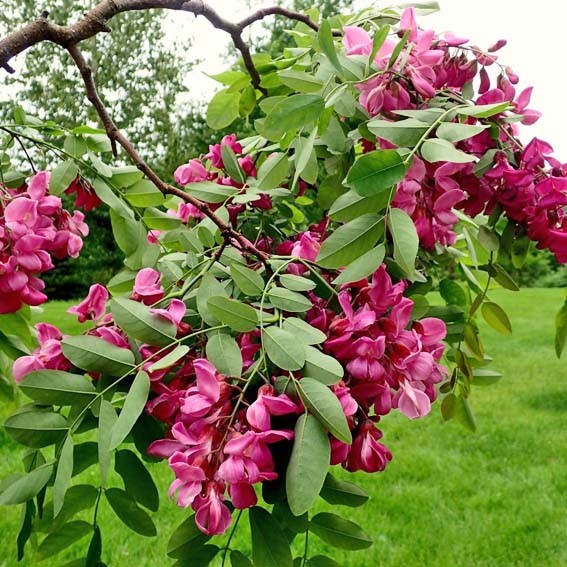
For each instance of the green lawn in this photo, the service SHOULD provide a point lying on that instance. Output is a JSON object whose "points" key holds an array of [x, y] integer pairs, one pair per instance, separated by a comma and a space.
{"points": [[449, 497]]}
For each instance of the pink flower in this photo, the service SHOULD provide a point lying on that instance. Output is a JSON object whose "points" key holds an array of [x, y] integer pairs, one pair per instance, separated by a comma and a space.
{"points": [[191, 172], [200, 399], [307, 247], [366, 454], [147, 287], [174, 312], [366, 365], [48, 356], [215, 150], [189, 480], [211, 514], [268, 404], [357, 41], [413, 401], [93, 306]]}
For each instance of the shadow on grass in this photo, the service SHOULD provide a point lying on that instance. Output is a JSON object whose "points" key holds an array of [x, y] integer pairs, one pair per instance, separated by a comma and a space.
{"points": [[553, 401]]}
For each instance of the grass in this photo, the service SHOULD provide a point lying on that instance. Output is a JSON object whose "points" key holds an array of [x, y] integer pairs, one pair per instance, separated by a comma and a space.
{"points": [[449, 497]]}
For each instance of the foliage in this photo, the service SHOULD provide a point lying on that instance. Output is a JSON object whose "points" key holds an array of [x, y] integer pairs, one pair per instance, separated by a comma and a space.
{"points": [[273, 306]]}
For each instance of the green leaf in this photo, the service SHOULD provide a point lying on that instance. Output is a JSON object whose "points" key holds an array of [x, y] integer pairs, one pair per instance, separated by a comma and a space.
{"points": [[273, 172], [434, 150], [236, 315], [133, 407], [27, 486], [398, 49], [305, 159], [496, 317], [304, 332], [343, 493], [106, 421], [485, 377], [405, 238], [322, 367], [26, 527], [248, 281], [223, 109], [140, 323], [62, 176], [362, 267], [299, 81], [95, 549], [126, 175], [350, 241], [63, 475], [488, 239], [352, 205], [138, 481], [452, 292], [308, 464], [376, 172], [36, 428], [144, 194], [223, 351], [231, 165], [200, 557], [186, 539], [210, 287], [297, 283], [377, 42], [455, 131], [101, 167], [325, 406], [561, 330], [159, 220], [130, 513], [484, 110], [210, 192], [107, 196], [75, 146], [55, 387], [322, 561], [338, 532], [403, 133], [238, 559], [170, 358], [327, 45], [96, 355], [293, 112], [287, 300], [283, 348], [65, 536], [269, 544], [464, 414]]}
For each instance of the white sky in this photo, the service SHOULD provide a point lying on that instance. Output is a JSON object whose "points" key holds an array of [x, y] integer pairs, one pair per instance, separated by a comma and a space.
{"points": [[536, 48]]}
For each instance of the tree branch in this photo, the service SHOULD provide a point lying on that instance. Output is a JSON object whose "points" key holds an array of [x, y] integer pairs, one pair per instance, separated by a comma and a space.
{"points": [[96, 21], [116, 136]]}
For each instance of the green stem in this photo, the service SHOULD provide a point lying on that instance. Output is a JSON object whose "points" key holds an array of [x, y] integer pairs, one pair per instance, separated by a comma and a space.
{"points": [[231, 535]]}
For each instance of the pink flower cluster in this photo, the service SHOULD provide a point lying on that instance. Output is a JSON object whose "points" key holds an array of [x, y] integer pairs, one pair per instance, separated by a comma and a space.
{"points": [[34, 228], [219, 441], [531, 188], [390, 362], [215, 445]]}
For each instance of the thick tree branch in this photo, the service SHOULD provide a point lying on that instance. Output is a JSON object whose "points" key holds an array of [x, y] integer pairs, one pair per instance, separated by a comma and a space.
{"points": [[116, 136], [96, 21]]}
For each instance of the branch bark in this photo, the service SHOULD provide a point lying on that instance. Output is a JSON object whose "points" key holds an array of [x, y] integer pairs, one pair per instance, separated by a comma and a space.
{"points": [[96, 21], [116, 136]]}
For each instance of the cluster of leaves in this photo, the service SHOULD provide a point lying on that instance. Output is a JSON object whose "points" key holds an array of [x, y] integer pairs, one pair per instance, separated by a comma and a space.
{"points": [[315, 158]]}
